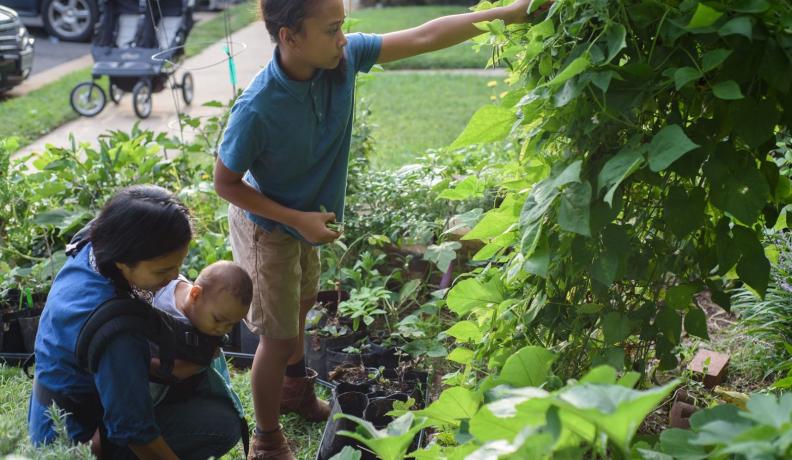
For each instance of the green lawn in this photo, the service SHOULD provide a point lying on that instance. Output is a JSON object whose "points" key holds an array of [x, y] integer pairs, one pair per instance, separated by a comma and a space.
{"points": [[41, 111], [416, 111], [382, 20]]}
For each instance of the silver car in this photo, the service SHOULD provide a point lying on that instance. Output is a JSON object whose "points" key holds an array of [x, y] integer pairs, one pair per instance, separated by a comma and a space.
{"points": [[16, 50]]}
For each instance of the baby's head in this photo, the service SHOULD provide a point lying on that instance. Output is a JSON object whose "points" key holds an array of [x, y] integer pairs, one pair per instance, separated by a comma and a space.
{"points": [[219, 298]]}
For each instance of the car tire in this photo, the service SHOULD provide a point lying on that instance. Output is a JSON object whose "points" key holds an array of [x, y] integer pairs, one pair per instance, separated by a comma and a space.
{"points": [[70, 20]]}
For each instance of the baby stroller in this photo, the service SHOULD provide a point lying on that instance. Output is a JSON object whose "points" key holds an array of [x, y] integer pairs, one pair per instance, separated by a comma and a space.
{"points": [[138, 45]]}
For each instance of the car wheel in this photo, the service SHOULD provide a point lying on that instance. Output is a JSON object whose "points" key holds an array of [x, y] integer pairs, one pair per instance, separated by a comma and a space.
{"points": [[70, 20]]}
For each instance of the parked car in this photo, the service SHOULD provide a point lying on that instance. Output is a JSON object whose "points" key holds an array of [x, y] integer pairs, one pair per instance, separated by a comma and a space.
{"points": [[16, 50], [69, 20]]}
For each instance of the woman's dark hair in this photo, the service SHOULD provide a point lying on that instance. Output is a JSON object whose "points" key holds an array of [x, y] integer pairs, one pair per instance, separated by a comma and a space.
{"points": [[291, 14], [139, 223]]}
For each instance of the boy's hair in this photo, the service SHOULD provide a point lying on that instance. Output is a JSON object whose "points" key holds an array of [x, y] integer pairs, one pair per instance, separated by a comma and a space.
{"points": [[139, 223], [229, 277]]}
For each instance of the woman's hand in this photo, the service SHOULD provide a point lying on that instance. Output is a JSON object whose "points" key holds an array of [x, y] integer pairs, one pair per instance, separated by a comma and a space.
{"points": [[313, 227], [528, 10]]}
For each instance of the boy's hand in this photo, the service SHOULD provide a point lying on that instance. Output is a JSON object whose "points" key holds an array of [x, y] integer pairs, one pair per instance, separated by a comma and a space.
{"points": [[313, 227], [529, 10]]}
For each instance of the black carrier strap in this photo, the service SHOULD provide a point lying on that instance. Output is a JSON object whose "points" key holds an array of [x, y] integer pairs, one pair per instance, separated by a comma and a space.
{"points": [[117, 316]]}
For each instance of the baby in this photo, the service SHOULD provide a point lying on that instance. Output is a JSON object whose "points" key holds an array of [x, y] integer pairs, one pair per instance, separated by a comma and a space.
{"points": [[218, 299]]}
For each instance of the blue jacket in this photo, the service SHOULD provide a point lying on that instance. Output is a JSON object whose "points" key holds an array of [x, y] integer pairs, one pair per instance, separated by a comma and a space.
{"points": [[122, 380]]}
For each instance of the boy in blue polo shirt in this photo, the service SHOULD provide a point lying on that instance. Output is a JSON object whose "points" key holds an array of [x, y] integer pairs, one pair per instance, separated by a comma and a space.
{"points": [[283, 158]]}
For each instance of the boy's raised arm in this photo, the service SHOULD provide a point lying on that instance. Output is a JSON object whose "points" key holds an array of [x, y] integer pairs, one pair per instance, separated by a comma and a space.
{"points": [[448, 31]]}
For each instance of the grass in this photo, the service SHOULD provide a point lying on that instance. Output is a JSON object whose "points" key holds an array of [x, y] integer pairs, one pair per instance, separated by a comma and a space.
{"points": [[39, 112], [413, 112], [15, 391], [381, 20]]}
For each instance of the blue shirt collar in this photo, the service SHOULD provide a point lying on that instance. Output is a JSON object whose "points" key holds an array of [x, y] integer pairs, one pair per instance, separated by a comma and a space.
{"points": [[298, 89]]}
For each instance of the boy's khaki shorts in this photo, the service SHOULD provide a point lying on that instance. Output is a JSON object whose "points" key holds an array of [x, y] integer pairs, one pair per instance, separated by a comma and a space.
{"points": [[285, 272]]}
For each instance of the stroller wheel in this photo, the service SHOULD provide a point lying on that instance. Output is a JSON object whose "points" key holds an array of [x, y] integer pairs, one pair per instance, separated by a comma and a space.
{"points": [[141, 99], [187, 88], [115, 93], [88, 99]]}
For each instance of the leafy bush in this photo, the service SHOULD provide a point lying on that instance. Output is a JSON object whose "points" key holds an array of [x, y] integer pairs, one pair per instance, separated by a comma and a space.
{"points": [[655, 121]]}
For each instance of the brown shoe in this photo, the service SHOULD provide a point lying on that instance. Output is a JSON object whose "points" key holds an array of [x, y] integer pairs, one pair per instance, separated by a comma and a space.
{"points": [[298, 396], [270, 446]]}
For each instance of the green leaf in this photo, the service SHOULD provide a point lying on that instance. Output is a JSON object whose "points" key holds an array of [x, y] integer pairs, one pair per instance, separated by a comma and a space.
{"points": [[740, 25], [347, 453], [471, 293], [618, 168], [528, 367], [461, 355], [714, 58], [767, 410], [392, 442], [684, 212], [465, 331], [469, 187], [52, 217], [681, 296], [751, 6], [677, 443], [615, 36], [753, 267], [737, 187], [684, 75], [616, 410], [453, 405], [604, 375], [575, 67], [669, 323], [506, 417], [539, 260], [667, 146], [494, 223], [616, 328], [727, 90], [696, 323], [573, 212], [703, 17], [442, 254], [490, 123]]}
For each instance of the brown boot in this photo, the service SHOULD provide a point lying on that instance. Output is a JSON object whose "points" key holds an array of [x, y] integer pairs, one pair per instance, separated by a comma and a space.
{"points": [[270, 446], [298, 396]]}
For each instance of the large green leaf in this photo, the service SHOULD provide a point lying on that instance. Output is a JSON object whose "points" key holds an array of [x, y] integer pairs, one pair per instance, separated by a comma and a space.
{"points": [[494, 223], [465, 331], [737, 186], [696, 323], [574, 210], [667, 146], [495, 421], [442, 254], [489, 124], [467, 188], [471, 293], [528, 367], [453, 405], [669, 323], [615, 36], [714, 58], [703, 17], [769, 410], [684, 75], [575, 67], [753, 267], [728, 90], [740, 25], [677, 443], [684, 212], [614, 409], [618, 168], [616, 327]]}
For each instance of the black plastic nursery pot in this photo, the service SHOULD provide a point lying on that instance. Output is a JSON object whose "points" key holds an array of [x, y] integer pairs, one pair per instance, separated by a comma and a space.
{"points": [[375, 356], [19, 330], [315, 344], [348, 397]]}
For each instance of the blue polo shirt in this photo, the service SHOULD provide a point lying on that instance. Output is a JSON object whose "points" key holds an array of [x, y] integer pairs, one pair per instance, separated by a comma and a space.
{"points": [[291, 138], [122, 377]]}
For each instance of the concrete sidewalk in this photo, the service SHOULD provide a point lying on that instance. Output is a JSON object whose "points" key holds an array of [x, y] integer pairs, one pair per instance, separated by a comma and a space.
{"points": [[211, 83]]}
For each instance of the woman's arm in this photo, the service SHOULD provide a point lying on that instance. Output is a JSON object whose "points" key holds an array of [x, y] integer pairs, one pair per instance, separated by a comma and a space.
{"points": [[448, 31], [311, 225]]}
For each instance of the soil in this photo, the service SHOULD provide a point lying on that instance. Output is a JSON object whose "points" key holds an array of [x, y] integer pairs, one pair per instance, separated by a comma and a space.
{"points": [[350, 374]]}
